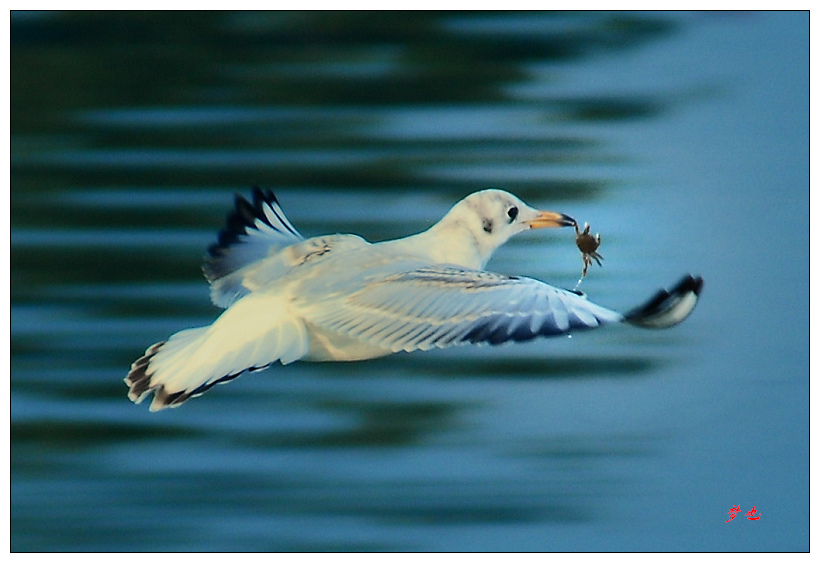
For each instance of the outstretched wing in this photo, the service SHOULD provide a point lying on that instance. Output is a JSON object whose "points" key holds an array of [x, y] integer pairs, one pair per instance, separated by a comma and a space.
{"points": [[440, 306], [668, 307], [253, 231]]}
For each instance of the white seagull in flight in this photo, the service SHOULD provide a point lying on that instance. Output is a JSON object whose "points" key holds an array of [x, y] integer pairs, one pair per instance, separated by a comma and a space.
{"points": [[341, 298]]}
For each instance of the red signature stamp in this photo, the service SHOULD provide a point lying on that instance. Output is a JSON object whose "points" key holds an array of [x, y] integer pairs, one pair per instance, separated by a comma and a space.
{"points": [[751, 515]]}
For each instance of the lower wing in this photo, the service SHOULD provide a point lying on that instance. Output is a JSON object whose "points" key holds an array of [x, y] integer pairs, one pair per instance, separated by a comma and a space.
{"points": [[440, 306]]}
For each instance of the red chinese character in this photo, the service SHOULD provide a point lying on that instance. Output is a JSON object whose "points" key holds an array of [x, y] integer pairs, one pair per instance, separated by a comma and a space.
{"points": [[751, 513], [733, 512]]}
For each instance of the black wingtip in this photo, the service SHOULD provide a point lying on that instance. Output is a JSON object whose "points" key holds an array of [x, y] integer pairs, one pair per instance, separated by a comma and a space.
{"points": [[241, 218], [261, 196], [668, 307]]}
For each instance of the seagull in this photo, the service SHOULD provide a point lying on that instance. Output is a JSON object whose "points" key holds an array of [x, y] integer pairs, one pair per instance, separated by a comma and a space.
{"points": [[341, 298]]}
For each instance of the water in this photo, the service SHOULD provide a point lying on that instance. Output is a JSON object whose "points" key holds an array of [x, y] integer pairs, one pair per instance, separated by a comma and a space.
{"points": [[682, 138]]}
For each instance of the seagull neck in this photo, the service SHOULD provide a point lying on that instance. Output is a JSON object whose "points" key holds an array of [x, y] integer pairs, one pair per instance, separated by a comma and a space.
{"points": [[453, 244]]}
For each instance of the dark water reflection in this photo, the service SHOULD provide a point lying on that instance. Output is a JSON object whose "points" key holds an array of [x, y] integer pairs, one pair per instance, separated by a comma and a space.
{"points": [[131, 131]]}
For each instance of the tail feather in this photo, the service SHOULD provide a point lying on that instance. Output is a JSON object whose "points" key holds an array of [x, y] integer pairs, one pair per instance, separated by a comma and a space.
{"points": [[249, 336], [668, 308], [161, 370], [138, 380]]}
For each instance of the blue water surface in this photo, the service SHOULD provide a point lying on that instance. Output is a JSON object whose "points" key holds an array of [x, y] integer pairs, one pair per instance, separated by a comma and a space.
{"points": [[683, 138]]}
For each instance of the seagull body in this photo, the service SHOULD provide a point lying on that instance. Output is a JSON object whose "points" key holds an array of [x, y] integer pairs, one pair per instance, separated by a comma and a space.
{"points": [[342, 298]]}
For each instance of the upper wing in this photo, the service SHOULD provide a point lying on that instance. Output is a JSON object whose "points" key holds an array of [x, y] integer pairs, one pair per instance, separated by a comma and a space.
{"points": [[439, 306], [253, 231]]}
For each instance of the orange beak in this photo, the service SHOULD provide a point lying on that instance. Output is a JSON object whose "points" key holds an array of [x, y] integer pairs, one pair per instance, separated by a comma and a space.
{"points": [[551, 219]]}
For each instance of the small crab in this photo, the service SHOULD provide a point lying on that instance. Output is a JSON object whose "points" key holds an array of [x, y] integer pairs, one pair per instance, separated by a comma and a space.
{"points": [[588, 245]]}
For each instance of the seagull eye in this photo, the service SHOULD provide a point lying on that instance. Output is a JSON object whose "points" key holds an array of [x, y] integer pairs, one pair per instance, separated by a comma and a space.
{"points": [[512, 213]]}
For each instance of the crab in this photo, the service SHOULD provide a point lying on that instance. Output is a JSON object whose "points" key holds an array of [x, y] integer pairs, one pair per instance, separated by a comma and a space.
{"points": [[588, 245]]}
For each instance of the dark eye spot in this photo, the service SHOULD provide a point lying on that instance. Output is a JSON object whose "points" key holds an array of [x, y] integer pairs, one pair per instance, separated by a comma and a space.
{"points": [[512, 213], [488, 225]]}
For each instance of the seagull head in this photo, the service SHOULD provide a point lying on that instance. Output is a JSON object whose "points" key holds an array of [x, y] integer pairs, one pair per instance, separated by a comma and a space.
{"points": [[490, 217]]}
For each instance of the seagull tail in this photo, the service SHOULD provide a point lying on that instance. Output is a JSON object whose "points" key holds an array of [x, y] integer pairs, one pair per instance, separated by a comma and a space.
{"points": [[248, 337], [145, 376], [668, 307]]}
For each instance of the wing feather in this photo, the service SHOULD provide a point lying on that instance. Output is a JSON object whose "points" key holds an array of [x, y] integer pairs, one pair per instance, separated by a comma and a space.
{"points": [[440, 306], [253, 231]]}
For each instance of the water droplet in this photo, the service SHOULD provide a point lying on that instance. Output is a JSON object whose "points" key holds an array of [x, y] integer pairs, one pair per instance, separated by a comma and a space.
{"points": [[577, 285]]}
